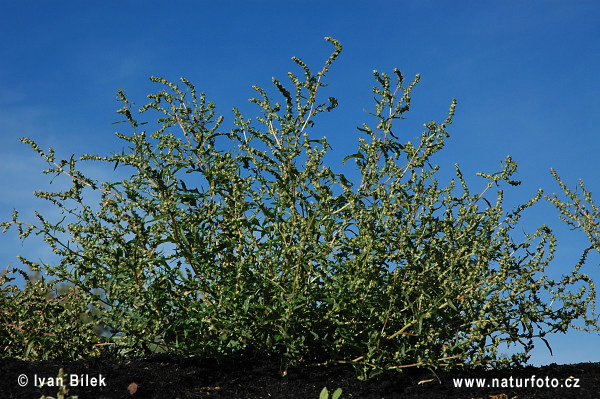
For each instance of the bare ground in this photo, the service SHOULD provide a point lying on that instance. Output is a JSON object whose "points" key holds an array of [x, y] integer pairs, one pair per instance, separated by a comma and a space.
{"points": [[259, 377]]}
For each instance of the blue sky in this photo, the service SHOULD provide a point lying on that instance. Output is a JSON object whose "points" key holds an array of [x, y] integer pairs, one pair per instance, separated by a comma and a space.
{"points": [[526, 76]]}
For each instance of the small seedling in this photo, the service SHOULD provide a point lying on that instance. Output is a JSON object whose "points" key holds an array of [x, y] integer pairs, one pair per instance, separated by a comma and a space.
{"points": [[325, 394], [63, 390]]}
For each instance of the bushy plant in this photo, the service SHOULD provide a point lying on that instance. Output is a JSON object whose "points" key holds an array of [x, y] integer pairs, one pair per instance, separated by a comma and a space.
{"points": [[223, 242], [44, 321]]}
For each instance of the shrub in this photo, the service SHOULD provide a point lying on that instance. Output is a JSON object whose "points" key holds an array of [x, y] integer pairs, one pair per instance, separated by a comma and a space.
{"points": [[223, 242]]}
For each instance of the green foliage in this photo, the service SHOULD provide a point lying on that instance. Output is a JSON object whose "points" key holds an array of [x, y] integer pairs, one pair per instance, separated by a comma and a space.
{"points": [[43, 321], [223, 242]]}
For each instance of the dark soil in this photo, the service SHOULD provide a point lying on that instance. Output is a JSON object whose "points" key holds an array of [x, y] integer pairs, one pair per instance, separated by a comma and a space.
{"points": [[259, 377]]}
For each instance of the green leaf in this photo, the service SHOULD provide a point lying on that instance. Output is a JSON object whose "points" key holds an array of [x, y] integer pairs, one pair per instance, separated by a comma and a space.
{"points": [[358, 155]]}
